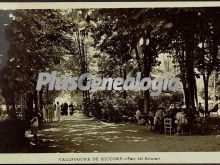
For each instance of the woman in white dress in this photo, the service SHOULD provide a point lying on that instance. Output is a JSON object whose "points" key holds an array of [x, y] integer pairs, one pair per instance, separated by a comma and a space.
{"points": [[44, 113]]}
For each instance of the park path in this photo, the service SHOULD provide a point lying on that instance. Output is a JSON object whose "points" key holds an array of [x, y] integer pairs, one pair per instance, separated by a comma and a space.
{"points": [[82, 134]]}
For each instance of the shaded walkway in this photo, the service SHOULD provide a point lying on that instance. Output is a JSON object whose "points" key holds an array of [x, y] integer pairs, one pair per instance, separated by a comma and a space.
{"points": [[83, 134]]}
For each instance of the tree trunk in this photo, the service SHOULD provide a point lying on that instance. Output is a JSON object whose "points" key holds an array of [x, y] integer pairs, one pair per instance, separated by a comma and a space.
{"points": [[186, 93], [147, 96], [125, 76], [41, 99], [190, 76], [206, 92], [195, 90], [146, 101], [47, 94], [138, 58], [36, 108], [146, 73]]}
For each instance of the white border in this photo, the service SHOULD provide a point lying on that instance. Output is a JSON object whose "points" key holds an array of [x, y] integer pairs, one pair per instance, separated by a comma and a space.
{"points": [[68, 5], [164, 157], [91, 158]]}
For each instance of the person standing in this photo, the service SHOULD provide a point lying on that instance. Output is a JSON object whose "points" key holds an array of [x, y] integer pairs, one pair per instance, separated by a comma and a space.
{"points": [[158, 120], [138, 115], [65, 109], [51, 112], [62, 111], [71, 109], [181, 121], [34, 127], [201, 109], [58, 111], [55, 110], [44, 113]]}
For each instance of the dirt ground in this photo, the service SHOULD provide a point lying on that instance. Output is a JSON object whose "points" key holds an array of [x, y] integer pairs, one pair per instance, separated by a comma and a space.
{"points": [[81, 134]]}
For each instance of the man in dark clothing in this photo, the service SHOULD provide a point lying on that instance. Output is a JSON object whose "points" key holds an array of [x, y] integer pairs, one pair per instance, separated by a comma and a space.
{"points": [[65, 109], [201, 109], [71, 108]]}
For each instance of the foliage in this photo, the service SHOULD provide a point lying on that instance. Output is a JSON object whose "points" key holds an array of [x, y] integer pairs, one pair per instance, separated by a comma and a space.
{"points": [[119, 110], [12, 136], [39, 41], [125, 41]]}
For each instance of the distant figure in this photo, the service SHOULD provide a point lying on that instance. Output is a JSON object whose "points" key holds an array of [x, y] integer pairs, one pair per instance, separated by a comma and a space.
{"points": [[58, 111], [158, 120], [61, 107], [45, 113], [71, 108], [138, 115], [34, 127], [55, 110], [181, 121], [50, 112], [201, 109], [65, 109], [158, 116], [215, 109], [151, 118]]}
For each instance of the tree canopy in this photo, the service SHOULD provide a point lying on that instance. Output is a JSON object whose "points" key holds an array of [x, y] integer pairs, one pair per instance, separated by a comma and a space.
{"points": [[110, 42]]}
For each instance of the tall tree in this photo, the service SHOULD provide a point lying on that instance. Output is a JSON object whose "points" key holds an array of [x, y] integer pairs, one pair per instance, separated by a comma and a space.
{"points": [[38, 40], [207, 51], [125, 30], [181, 41]]}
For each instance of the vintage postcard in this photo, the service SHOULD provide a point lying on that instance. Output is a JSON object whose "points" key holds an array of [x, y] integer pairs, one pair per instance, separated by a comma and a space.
{"points": [[109, 82]]}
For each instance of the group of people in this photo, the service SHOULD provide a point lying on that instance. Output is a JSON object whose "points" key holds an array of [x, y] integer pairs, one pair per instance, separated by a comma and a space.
{"points": [[51, 111], [182, 118]]}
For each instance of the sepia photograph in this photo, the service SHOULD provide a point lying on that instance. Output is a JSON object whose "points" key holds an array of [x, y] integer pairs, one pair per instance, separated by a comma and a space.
{"points": [[110, 80]]}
